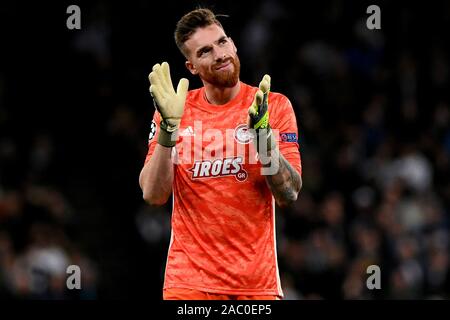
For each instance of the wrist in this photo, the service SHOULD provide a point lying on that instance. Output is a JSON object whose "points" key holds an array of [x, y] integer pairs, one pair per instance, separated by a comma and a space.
{"points": [[264, 141], [167, 136]]}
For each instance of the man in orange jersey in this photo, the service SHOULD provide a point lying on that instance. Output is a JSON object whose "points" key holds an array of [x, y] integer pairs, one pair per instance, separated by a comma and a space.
{"points": [[226, 163]]}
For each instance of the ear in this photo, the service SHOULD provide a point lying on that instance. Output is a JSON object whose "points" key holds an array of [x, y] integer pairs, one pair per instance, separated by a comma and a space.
{"points": [[190, 66]]}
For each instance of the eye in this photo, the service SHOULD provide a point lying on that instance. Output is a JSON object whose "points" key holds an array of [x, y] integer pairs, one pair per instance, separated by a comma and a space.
{"points": [[203, 52], [223, 41]]}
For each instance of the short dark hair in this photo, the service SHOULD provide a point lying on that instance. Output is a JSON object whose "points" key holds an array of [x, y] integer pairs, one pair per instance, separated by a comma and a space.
{"points": [[190, 22]]}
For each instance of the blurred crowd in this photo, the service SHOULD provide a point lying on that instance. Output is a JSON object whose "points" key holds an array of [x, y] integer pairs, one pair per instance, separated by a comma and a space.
{"points": [[373, 112], [38, 231]]}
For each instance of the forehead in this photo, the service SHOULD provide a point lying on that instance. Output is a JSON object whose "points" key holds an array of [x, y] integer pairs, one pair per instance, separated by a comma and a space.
{"points": [[204, 37]]}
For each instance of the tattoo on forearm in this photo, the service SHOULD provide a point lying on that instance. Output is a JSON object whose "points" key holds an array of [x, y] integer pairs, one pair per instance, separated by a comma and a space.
{"points": [[285, 184]]}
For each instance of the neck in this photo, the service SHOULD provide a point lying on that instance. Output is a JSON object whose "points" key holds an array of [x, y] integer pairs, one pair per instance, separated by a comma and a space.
{"points": [[219, 95]]}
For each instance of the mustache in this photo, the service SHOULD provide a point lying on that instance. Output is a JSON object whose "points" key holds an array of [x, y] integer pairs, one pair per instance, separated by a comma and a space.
{"points": [[222, 62]]}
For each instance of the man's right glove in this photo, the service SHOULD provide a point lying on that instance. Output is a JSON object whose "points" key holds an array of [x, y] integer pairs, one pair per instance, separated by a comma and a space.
{"points": [[168, 103]]}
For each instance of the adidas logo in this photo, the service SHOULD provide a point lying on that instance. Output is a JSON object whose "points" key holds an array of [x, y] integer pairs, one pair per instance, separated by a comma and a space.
{"points": [[188, 132]]}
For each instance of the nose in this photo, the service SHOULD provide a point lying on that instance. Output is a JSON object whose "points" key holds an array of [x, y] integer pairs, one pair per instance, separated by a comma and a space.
{"points": [[219, 54]]}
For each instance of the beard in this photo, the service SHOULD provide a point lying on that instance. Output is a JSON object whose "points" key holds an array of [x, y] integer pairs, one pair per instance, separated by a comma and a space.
{"points": [[225, 79]]}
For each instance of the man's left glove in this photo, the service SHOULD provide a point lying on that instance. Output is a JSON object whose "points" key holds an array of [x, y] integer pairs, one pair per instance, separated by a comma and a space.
{"points": [[259, 117]]}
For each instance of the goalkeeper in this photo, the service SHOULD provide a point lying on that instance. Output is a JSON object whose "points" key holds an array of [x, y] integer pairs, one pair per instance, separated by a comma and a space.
{"points": [[223, 242]]}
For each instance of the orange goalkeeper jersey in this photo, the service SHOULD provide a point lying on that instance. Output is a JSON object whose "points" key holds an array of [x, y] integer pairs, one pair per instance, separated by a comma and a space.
{"points": [[223, 219]]}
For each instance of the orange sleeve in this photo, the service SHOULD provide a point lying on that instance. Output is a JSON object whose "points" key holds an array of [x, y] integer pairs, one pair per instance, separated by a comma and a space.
{"points": [[284, 124], [153, 135]]}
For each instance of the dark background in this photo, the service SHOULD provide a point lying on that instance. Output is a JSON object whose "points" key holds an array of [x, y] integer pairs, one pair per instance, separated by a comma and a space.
{"points": [[373, 114]]}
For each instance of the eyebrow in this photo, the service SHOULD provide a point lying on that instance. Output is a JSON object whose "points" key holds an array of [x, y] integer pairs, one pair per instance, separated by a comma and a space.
{"points": [[200, 50]]}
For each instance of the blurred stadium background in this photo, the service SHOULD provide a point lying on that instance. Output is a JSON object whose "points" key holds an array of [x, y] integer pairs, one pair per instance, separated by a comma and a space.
{"points": [[373, 114]]}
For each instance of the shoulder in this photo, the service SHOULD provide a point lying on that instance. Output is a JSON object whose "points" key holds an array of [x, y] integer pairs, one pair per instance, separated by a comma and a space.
{"points": [[279, 99], [194, 95], [282, 113]]}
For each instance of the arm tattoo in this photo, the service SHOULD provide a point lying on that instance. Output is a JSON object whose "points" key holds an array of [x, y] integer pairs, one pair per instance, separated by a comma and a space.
{"points": [[285, 184]]}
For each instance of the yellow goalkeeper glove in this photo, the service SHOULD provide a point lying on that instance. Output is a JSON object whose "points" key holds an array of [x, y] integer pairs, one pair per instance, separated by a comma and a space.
{"points": [[259, 117], [168, 103]]}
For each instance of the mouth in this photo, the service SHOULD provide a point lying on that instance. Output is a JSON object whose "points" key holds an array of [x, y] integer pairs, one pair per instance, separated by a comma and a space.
{"points": [[224, 66]]}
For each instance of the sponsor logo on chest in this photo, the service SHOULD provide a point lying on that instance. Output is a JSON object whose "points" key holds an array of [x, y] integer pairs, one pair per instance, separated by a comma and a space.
{"points": [[219, 168]]}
